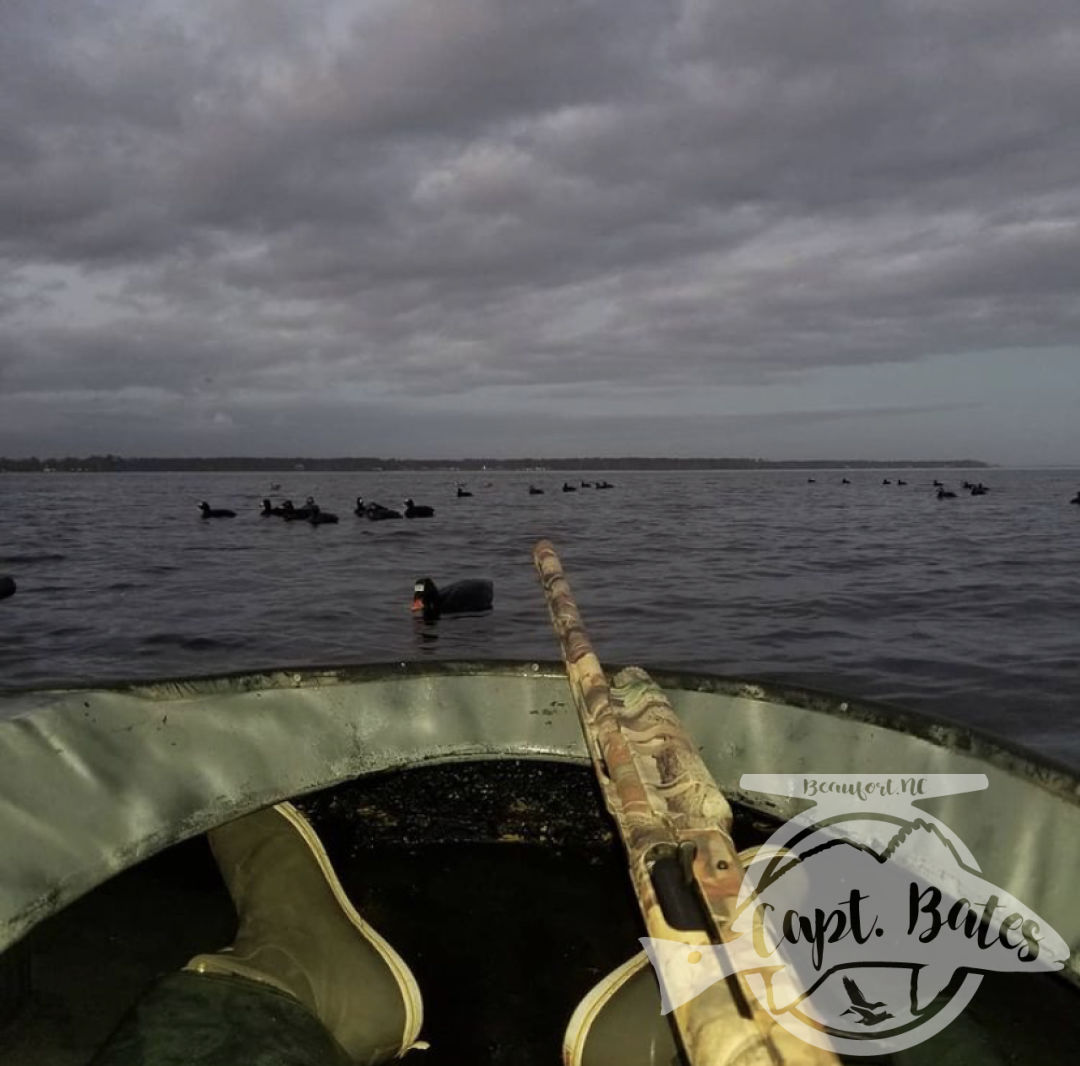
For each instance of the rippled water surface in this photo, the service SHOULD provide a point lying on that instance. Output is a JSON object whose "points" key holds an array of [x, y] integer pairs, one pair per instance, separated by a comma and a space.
{"points": [[965, 608]]}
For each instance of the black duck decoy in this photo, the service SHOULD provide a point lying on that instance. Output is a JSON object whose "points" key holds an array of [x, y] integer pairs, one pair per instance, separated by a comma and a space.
{"points": [[319, 517], [462, 597], [375, 512], [296, 514]]}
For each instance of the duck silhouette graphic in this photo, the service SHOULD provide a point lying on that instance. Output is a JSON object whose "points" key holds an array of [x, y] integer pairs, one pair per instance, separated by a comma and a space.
{"points": [[860, 1006]]}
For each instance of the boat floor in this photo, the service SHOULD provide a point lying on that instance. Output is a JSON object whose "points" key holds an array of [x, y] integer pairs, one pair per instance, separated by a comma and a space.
{"points": [[501, 884]]}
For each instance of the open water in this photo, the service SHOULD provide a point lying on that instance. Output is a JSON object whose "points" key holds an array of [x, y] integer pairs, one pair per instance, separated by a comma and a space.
{"points": [[964, 608]]}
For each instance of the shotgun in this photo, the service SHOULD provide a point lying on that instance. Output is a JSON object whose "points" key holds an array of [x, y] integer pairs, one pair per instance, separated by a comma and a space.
{"points": [[675, 825]]}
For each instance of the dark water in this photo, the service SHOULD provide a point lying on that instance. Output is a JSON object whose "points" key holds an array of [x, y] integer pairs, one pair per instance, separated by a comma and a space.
{"points": [[966, 608]]}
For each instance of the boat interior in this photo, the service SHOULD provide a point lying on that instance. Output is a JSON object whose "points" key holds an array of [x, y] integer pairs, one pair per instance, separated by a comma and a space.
{"points": [[464, 821]]}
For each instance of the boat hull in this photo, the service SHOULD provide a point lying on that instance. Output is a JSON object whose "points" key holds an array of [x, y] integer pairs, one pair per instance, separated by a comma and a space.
{"points": [[94, 780]]}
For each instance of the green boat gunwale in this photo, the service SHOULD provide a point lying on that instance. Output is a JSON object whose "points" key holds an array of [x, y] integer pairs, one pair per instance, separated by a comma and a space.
{"points": [[1056, 776]]}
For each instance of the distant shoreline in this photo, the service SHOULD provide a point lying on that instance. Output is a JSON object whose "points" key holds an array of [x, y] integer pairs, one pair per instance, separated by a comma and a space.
{"points": [[97, 464]]}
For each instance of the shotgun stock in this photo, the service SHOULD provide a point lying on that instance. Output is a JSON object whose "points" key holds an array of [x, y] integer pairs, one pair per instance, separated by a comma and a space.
{"points": [[675, 824]]}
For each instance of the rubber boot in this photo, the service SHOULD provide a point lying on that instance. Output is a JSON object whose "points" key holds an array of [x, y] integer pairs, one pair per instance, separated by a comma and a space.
{"points": [[298, 933]]}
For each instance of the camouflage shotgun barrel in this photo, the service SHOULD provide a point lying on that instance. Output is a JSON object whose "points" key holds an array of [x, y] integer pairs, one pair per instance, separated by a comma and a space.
{"points": [[675, 824]]}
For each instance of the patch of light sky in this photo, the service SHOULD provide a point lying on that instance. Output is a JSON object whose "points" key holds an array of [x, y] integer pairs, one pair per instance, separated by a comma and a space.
{"points": [[60, 295], [976, 379]]}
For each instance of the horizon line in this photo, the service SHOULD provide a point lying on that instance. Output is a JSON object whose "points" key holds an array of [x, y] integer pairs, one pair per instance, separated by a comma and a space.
{"points": [[293, 460]]}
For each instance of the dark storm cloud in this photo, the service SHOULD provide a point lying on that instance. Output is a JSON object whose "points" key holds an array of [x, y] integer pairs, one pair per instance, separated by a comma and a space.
{"points": [[248, 207]]}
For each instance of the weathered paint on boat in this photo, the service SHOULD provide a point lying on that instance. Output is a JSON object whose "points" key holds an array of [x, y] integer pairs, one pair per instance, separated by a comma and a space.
{"points": [[93, 780]]}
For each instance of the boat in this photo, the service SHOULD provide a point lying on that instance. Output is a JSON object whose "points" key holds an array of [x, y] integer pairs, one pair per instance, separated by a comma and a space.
{"points": [[459, 805]]}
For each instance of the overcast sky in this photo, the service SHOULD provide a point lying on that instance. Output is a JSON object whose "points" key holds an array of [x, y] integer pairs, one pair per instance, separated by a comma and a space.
{"points": [[779, 228]]}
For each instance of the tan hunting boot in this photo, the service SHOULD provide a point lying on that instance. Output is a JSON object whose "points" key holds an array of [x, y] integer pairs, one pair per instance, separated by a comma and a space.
{"points": [[299, 933]]}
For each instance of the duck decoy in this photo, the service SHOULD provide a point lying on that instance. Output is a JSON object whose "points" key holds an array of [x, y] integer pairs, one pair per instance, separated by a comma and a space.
{"points": [[267, 510], [462, 492], [944, 494], [811, 481], [375, 512], [844, 481], [319, 517], [462, 597], [567, 487], [296, 514], [586, 485], [899, 481], [886, 481], [212, 512], [534, 491], [604, 485], [413, 510], [979, 490]]}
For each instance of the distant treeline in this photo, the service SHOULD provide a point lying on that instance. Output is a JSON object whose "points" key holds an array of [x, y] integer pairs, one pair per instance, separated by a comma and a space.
{"points": [[120, 464]]}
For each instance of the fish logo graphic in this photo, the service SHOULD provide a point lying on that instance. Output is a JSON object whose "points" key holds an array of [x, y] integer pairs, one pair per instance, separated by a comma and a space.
{"points": [[863, 925]]}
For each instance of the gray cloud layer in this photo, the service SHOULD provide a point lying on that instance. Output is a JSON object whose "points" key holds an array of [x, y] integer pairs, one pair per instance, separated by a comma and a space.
{"points": [[221, 217]]}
